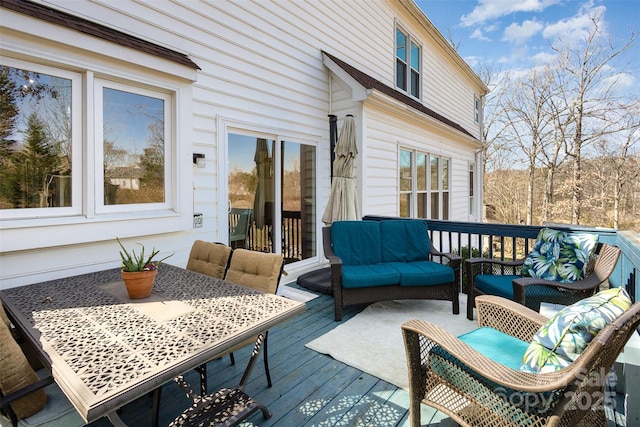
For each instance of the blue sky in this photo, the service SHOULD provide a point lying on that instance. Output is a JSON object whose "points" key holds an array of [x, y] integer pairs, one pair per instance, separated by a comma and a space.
{"points": [[512, 33]]}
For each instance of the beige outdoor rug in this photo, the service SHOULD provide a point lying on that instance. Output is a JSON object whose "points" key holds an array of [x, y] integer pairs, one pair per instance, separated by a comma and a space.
{"points": [[372, 341]]}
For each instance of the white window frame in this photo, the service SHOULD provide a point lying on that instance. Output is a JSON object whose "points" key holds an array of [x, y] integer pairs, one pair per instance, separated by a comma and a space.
{"points": [[472, 188], [100, 207], [77, 147], [410, 40], [476, 109], [413, 209], [87, 220]]}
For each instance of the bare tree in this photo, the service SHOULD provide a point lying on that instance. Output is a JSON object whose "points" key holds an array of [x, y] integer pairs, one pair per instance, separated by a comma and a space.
{"points": [[496, 143], [527, 111], [589, 81]]}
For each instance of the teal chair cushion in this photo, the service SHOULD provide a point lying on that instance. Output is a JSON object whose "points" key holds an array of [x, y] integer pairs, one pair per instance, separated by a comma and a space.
{"points": [[497, 346], [560, 256], [499, 285], [501, 348], [363, 276], [357, 242], [423, 273], [404, 241]]}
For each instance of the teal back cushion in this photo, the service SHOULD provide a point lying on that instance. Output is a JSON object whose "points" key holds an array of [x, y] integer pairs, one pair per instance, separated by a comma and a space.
{"points": [[560, 256], [356, 242], [404, 241], [567, 334]]}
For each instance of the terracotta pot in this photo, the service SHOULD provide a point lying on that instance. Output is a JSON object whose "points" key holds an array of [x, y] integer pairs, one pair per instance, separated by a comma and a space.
{"points": [[139, 283]]}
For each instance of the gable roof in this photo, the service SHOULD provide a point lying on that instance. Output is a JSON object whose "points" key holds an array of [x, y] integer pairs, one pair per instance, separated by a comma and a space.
{"points": [[97, 30], [369, 83]]}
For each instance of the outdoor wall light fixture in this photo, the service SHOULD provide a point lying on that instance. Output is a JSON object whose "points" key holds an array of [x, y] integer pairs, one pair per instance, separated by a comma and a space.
{"points": [[198, 160]]}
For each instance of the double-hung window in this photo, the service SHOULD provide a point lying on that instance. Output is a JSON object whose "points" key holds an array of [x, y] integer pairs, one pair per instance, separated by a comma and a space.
{"points": [[408, 57], [424, 182]]}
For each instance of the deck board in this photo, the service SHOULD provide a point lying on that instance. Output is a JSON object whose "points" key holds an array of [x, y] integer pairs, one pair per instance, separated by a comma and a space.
{"points": [[309, 388]]}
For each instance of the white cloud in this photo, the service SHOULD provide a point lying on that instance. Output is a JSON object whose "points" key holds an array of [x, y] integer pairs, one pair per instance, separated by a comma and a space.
{"points": [[543, 58], [491, 9], [478, 35], [577, 27], [518, 34]]}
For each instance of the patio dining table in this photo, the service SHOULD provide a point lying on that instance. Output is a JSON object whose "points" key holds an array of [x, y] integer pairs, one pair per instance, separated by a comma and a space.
{"points": [[106, 350]]}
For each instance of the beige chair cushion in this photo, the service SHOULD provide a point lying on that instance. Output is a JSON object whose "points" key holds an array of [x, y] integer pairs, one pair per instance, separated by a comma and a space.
{"points": [[257, 270], [209, 258], [16, 373], [3, 317]]}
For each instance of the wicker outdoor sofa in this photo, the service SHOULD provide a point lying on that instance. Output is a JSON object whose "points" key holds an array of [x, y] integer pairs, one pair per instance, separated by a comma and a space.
{"points": [[386, 260]]}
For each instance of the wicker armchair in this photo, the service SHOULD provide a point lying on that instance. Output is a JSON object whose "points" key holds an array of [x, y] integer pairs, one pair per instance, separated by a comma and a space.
{"points": [[474, 390], [529, 291]]}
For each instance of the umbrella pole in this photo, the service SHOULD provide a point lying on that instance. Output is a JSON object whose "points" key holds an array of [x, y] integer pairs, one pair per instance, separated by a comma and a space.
{"points": [[333, 138]]}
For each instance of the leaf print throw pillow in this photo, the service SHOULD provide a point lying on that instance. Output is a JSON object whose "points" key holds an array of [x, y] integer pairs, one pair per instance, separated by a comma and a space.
{"points": [[565, 336], [559, 256]]}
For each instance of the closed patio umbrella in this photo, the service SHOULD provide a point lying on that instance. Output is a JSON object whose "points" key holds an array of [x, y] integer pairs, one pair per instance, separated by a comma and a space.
{"points": [[264, 189], [343, 202]]}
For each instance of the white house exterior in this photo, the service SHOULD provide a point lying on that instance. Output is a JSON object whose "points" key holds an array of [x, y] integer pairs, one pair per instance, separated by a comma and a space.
{"points": [[224, 72]]}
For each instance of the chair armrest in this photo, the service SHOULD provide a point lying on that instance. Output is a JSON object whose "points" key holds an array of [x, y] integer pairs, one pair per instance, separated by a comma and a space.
{"points": [[420, 334], [41, 383], [508, 316], [530, 291], [492, 261], [454, 259]]}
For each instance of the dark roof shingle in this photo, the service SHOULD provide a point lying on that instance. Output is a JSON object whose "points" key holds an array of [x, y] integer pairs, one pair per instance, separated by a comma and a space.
{"points": [[97, 30], [370, 83]]}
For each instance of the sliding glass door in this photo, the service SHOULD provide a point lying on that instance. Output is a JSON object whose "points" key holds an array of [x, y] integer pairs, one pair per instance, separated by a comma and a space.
{"points": [[272, 195]]}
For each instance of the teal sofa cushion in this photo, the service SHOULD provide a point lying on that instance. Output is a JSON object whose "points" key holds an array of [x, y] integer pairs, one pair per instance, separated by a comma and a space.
{"points": [[497, 346], [423, 273], [404, 241], [560, 256], [357, 242], [364, 276], [499, 285]]}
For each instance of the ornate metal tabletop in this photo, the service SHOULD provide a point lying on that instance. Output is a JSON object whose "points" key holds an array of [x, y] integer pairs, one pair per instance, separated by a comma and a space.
{"points": [[106, 349]]}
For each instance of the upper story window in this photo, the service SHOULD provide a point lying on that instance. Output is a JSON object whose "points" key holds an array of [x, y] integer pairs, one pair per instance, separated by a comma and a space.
{"points": [[424, 185], [476, 108], [47, 170], [408, 57]]}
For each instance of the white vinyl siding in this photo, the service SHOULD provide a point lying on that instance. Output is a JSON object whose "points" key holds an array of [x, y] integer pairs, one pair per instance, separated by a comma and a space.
{"points": [[260, 68]]}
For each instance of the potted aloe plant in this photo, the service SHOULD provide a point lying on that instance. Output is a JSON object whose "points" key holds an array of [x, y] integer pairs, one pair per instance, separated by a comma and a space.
{"points": [[139, 271]]}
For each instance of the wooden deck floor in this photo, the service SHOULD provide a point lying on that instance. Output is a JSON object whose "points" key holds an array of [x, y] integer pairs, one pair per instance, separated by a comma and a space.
{"points": [[309, 389]]}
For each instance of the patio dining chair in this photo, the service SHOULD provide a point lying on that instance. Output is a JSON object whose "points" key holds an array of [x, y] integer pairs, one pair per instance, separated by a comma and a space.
{"points": [[209, 258], [508, 372], [227, 406], [256, 270], [564, 280], [239, 221]]}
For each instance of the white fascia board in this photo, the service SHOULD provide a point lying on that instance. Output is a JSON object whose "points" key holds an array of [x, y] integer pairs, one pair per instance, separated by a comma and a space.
{"points": [[358, 92], [386, 101]]}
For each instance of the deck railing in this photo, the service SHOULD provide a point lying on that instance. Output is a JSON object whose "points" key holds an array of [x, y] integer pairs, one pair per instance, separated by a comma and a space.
{"points": [[510, 242], [259, 239]]}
